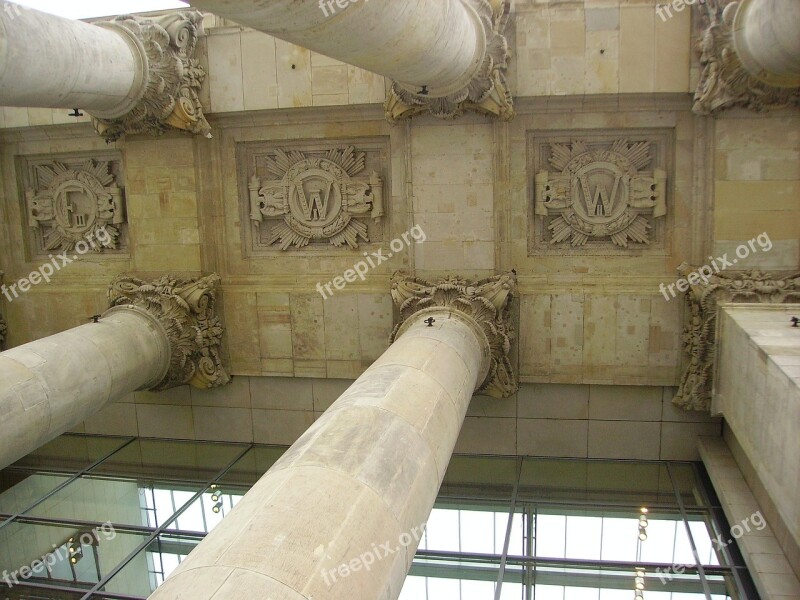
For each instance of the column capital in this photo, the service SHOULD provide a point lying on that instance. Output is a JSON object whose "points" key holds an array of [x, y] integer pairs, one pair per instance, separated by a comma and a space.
{"points": [[486, 92], [171, 77], [487, 302], [185, 308], [699, 335], [725, 81]]}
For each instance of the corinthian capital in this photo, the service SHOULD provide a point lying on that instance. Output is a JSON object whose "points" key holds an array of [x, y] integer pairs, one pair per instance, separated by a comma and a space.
{"points": [[486, 93], [486, 302], [699, 338], [169, 95], [185, 309], [725, 81]]}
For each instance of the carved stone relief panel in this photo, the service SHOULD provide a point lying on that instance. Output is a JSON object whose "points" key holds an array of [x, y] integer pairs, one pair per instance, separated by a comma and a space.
{"points": [[75, 201], [313, 196], [598, 194]]}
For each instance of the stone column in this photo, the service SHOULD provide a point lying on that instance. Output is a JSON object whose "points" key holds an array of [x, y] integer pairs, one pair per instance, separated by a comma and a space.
{"points": [[750, 53], [340, 515], [155, 336], [444, 56], [766, 35], [133, 75]]}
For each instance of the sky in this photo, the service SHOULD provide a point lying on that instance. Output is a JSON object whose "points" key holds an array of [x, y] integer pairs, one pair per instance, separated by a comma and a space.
{"points": [[84, 9]]}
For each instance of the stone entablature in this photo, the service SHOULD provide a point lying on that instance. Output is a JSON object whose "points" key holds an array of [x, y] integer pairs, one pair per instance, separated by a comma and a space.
{"points": [[186, 310], [598, 194], [313, 196], [75, 200], [487, 303], [699, 337]]}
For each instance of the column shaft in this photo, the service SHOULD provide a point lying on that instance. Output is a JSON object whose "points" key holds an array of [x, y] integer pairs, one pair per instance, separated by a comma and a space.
{"points": [[435, 43], [48, 61], [53, 384], [766, 35], [366, 473]]}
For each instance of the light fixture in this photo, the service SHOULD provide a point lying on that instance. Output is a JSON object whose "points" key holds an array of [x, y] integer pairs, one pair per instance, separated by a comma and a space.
{"points": [[638, 586], [643, 524], [217, 507]]}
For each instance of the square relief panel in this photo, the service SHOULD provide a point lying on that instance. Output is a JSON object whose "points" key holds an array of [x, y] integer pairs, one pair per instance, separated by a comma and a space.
{"points": [[318, 196], [599, 193], [74, 203]]}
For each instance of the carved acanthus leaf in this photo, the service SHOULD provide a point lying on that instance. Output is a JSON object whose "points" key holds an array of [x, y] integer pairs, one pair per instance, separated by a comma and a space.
{"points": [[487, 93], [724, 81], [174, 77], [185, 308], [699, 337], [487, 302]]}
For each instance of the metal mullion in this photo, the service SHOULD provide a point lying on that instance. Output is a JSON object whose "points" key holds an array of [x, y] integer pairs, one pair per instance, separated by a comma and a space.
{"points": [[530, 549], [714, 511], [123, 528], [66, 483], [507, 542], [685, 517], [158, 531]]}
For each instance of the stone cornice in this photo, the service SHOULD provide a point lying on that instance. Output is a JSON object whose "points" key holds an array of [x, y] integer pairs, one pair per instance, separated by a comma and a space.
{"points": [[699, 337], [487, 302], [186, 311], [724, 81], [165, 45], [487, 93]]}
